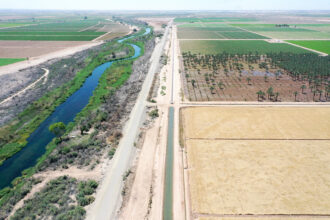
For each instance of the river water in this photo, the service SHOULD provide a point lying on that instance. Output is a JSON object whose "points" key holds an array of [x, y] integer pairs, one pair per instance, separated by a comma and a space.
{"points": [[66, 112]]}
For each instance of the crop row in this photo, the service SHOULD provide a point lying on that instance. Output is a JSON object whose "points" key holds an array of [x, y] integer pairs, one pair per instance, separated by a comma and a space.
{"points": [[236, 47]]}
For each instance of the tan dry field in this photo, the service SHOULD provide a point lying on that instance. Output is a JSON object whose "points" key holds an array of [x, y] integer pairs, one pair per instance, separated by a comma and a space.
{"points": [[23, 49], [156, 22], [282, 176], [258, 122], [264, 218]]}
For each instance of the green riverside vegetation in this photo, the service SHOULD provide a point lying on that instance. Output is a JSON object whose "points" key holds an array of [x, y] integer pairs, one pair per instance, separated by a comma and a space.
{"points": [[112, 79], [13, 135]]}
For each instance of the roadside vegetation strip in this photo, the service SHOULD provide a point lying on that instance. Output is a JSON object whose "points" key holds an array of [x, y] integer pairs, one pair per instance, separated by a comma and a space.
{"points": [[168, 183], [103, 91], [318, 45], [237, 47], [7, 61]]}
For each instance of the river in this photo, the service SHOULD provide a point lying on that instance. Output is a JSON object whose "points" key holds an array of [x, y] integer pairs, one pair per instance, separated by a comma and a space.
{"points": [[66, 112]]}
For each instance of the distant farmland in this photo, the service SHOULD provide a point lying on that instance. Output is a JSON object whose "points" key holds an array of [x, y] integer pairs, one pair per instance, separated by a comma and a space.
{"points": [[319, 45], [215, 32], [7, 61], [214, 19], [236, 47], [293, 32], [59, 31]]}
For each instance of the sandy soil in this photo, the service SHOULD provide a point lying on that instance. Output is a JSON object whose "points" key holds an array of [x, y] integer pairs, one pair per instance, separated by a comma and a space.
{"points": [[146, 197], [68, 50], [23, 49], [264, 218], [258, 122], [259, 177], [156, 22], [247, 160]]}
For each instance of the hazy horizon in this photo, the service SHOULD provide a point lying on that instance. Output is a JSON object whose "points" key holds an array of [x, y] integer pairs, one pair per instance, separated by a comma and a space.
{"points": [[169, 5]]}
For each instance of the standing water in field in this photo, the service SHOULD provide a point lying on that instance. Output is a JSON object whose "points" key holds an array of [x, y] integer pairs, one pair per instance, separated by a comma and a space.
{"points": [[65, 113]]}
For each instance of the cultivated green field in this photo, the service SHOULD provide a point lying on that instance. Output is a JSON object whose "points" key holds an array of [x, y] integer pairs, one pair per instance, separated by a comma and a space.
{"points": [[215, 32], [6, 61], [236, 47], [214, 19], [299, 31], [319, 45], [81, 30], [7, 25]]}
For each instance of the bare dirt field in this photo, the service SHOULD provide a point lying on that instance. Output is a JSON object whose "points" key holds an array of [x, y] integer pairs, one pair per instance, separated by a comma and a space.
{"points": [[257, 161], [23, 49], [155, 22]]}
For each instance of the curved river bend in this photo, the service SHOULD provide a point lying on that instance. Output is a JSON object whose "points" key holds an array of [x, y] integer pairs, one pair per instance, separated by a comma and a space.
{"points": [[66, 112]]}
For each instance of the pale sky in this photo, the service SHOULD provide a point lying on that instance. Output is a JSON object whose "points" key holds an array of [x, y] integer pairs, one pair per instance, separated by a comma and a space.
{"points": [[168, 4]]}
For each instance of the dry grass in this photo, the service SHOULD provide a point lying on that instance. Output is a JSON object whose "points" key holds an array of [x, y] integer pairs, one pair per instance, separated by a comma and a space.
{"points": [[258, 122], [258, 176], [262, 218]]}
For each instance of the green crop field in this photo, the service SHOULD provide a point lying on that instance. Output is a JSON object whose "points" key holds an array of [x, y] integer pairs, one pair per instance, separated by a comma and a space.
{"points": [[7, 25], [298, 31], [214, 19], [319, 45], [236, 47], [57, 31], [6, 61], [215, 32]]}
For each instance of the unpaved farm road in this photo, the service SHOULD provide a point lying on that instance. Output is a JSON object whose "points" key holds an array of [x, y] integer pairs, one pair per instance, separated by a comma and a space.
{"points": [[28, 87], [108, 197]]}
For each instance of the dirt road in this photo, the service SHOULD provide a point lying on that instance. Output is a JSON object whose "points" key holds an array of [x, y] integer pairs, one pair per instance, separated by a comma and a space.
{"points": [[108, 196], [28, 87]]}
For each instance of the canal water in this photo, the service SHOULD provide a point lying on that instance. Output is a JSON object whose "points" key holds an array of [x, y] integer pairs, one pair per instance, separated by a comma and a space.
{"points": [[66, 112]]}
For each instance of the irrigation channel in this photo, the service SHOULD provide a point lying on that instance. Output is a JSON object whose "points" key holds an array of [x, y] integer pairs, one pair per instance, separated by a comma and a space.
{"points": [[168, 186], [65, 113]]}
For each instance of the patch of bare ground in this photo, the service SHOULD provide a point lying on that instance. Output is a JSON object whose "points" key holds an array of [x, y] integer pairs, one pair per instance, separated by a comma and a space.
{"points": [[156, 22], [30, 49]]}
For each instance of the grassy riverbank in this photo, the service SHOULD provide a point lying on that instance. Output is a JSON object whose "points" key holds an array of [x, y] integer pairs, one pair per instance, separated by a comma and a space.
{"points": [[13, 135], [110, 81]]}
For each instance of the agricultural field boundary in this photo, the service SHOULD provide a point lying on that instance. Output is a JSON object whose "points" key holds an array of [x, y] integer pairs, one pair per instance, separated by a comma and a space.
{"points": [[306, 48], [309, 49]]}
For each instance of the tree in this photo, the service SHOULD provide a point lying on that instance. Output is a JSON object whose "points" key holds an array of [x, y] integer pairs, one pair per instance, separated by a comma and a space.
{"points": [[58, 129], [303, 87], [220, 85], [260, 94], [277, 74], [212, 89], [270, 92], [248, 80], [193, 82], [295, 95], [266, 78]]}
